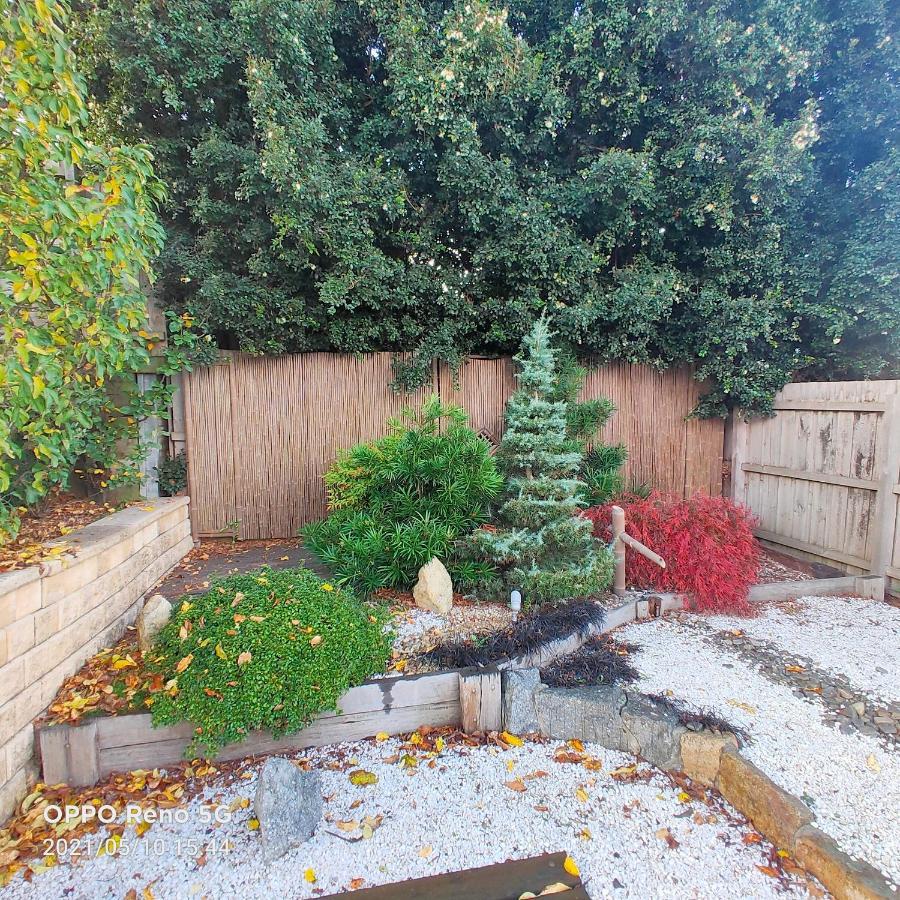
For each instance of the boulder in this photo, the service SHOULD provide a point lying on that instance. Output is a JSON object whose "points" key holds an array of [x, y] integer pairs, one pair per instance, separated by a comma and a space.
{"points": [[153, 617], [434, 589], [288, 805]]}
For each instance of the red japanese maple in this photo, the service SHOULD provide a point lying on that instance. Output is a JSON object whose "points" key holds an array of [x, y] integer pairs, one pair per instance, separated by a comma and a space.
{"points": [[707, 542]]}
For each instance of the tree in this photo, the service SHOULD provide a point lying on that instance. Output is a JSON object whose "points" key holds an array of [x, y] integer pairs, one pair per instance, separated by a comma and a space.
{"points": [[667, 182], [72, 309], [542, 545]]}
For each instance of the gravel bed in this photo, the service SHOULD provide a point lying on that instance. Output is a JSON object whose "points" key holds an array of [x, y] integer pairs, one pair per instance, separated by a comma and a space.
{"points": [[634, 839], [851, 781], [859, 639]]}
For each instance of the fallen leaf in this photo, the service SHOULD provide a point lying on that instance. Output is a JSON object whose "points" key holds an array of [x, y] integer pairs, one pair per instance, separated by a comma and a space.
{"points": [[582, 795], [516, 785], [425, 851], [310, 876], [511, 739], [768, 870], [356, 883], [382, 736], [253, 824], [794, 669], [570, 866], [184, 662], [623, 771], [220, 652], [361, 777], [873, 763], [556, 888], [315, 641], [746, 707], [348, 825], [244, 658]]}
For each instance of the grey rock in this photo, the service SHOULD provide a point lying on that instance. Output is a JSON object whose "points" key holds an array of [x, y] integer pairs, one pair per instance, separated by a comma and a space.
{"points": [[153, 617], [519, 689], [288, 805]]}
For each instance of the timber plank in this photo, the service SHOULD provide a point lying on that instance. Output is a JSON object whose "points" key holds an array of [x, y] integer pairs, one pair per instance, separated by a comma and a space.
{"points": [[503, 881]]}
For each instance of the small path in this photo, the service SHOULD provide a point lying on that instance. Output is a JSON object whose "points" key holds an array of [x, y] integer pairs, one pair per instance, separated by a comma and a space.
{"points": [[851, 709], [218, 557], [851, 781]]}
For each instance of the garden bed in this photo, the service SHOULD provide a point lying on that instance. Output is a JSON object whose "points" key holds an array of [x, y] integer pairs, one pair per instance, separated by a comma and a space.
{"points": [[114, 736]]}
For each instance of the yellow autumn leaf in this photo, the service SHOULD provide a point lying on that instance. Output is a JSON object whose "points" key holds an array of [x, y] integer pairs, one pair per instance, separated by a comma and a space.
{"points": [[425, 851], [684, 797], [582, 795], [873, 764], [184, 663], [361, 777], [220, 652], [142, 828], [570, 866], [147, 894], [382, 736], [511, 739], [253, 824], [310, 876], [110, 846]]}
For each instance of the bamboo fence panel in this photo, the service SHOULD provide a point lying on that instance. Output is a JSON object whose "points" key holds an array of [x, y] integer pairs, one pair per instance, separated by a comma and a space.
{"points": [[262, 431], [823, 474]]}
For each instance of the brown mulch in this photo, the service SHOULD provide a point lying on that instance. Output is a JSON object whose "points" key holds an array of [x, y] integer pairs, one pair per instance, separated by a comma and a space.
{"points": [[112, 682], [58, 515]]}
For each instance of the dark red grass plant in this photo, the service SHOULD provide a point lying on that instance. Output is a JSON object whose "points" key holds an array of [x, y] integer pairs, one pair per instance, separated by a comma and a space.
{"points": [[707, 542]]}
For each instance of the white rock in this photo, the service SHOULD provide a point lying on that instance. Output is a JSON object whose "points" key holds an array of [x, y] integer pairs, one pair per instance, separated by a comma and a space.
{"points": [[434, 589], [153, 617]]}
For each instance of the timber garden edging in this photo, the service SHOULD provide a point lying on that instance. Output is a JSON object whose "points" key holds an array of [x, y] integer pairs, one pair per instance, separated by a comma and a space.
{"points": [[82, 754]]}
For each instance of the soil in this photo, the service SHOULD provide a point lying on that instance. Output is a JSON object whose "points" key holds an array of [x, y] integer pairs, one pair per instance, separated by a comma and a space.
{"points": [[52, 519], [219, 557], [775, 566]]}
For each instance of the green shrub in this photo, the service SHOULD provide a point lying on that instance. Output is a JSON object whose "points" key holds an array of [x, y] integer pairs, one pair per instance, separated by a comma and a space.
{"points": [[264, 650], [542, 545], [404, 498], [172, 474]]}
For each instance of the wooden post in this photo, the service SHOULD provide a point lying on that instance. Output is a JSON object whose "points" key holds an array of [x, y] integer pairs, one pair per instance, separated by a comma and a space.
{"points": [[618, 548], [70, 755], [479, 700], [884, 517], [740, 440]]}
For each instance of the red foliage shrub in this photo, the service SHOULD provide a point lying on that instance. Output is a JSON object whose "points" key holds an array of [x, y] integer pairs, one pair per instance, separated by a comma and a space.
{"points": [[707, 543]]}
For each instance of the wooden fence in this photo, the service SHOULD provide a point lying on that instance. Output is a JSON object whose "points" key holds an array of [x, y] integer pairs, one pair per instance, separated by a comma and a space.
{"points": [[823, 475], [262, 431]]}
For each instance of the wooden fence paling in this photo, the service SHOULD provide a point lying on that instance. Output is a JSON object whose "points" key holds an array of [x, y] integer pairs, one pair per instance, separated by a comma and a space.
{"points": [[822, 474], [262, 431]]}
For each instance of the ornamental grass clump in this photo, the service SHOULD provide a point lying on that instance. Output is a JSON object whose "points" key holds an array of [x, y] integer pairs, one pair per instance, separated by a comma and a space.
{"points": [[541, 545], [265, 650], [398, 501]]}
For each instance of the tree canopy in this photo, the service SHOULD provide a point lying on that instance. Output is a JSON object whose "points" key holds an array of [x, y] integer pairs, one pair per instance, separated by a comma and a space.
{"points": [[702, 181]]}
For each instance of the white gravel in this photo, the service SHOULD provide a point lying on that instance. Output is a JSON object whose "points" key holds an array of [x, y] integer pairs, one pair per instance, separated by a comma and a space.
{"points": [[851, 782], [859, 639], [457, 814]]}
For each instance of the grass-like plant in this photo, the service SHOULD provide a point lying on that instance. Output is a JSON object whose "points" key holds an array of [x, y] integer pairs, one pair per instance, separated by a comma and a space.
{"points": [[400, 500], [265, 650]]}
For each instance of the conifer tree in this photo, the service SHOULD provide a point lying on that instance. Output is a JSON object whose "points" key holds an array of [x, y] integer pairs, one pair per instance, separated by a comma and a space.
{"points": [[541, 545]]}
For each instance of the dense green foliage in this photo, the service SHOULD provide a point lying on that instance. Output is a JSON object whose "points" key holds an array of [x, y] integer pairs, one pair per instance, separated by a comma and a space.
{"points": [[601, 471], [172, 474], [264, 650], [542, 546], [400, 500], [687, 181], [78, 229]]}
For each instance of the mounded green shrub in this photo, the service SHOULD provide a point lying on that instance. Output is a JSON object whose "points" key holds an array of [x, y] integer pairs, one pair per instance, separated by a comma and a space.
{"points": [[400, 500], [265, 650]]}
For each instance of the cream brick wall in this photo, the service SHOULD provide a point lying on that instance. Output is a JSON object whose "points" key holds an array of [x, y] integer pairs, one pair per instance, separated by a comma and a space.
{"points": [[54, 616]]}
